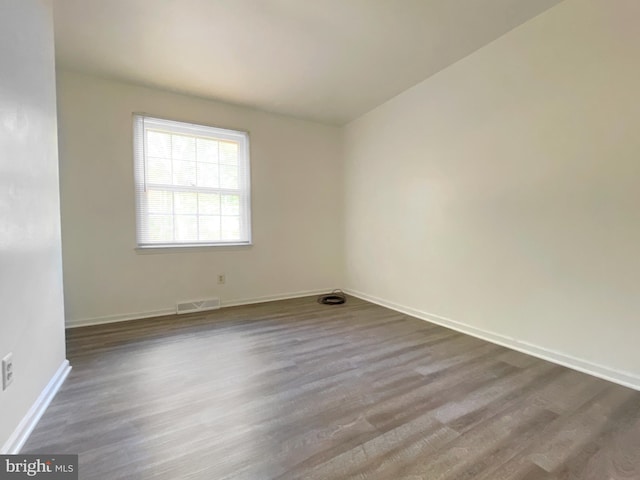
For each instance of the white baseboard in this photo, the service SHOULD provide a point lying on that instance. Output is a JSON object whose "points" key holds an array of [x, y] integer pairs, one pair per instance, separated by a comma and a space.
{"points": [[627, 379], [274, 298], [124, 317], [85, 322], [21, 434]]}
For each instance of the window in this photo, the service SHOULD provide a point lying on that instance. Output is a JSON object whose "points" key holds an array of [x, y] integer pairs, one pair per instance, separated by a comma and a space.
{"points": [[192, 184]]}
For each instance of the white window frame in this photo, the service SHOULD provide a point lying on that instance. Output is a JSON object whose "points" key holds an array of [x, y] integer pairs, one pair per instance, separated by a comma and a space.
{"points": [[140, 124]]}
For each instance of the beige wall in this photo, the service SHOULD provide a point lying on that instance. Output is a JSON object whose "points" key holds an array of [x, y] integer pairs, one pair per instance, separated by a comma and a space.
{"points": [[32, 318], [296, 199], [504, 192]]}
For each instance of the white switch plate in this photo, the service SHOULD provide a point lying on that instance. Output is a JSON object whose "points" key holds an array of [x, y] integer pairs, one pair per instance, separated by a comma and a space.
{"points": [[7, 370]]}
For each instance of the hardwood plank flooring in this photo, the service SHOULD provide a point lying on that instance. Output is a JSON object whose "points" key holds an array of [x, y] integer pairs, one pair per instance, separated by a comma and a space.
{"points": [[296, 390]]}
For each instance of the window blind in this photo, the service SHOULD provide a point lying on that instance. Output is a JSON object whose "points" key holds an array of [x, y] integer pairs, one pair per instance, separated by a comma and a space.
{"points": [[192, 184]]}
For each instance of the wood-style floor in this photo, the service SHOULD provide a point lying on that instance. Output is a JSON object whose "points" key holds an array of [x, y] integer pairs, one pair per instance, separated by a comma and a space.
{"points": [[297, 390]]}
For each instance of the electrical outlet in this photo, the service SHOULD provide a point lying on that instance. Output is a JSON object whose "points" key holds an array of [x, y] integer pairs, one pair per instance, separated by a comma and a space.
{"points": [[7, 371], [221, 279]]}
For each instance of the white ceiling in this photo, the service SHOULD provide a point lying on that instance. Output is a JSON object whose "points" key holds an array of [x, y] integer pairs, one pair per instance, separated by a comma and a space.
{"points": [[326, 60]]}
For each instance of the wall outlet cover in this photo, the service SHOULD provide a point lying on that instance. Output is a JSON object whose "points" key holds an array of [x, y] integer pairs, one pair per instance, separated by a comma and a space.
{"points": [[7, 370]]}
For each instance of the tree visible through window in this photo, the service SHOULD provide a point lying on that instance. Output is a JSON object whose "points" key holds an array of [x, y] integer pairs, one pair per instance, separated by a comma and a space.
{"points": [[192, 184]]}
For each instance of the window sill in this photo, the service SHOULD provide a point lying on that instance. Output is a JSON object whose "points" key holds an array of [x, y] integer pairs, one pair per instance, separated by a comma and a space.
{"points": [[195, 248]]}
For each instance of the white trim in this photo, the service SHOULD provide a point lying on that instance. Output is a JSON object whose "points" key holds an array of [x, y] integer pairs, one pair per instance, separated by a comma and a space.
{"points": [[85, 322], [165, 247], [122, 317], [193, 248], [21, 434], [273, 298], [621, 377]]}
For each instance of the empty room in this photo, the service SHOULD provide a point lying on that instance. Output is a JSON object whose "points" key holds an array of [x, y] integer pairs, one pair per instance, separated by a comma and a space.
{"points": [[328, 239]]}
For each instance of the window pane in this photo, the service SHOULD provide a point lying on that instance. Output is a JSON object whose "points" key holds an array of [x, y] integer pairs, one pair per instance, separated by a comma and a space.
{"points": [[186, 203], [208, 175], [207, 150], [184, 173], [209, 228], [230, 204], [159, 170], [208, 204], [158, 144], [183, 148], [229, 153], [186, 228], [160, 228], [159, 201], [230, 228], [228, 176]]}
